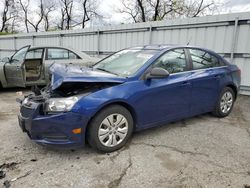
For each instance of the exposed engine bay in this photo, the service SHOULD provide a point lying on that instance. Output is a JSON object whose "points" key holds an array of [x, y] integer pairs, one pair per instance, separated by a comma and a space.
{"points": [[67, 89]]}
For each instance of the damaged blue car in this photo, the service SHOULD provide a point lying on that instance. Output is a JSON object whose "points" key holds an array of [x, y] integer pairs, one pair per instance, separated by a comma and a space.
{"points": [[131, 90]]}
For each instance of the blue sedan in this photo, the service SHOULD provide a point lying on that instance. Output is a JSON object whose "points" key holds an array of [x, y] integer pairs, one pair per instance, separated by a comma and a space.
{"points": [[131, 90]]}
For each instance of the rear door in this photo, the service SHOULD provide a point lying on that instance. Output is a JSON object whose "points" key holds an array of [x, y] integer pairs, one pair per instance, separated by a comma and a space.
{"points": [[61, 56], [205, 80], [15, 68]]}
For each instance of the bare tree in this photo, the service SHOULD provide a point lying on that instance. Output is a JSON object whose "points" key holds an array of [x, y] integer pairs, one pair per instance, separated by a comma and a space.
{"points": [[35, 18], [156, 6], [85, 13], [75, 13], [40, 15], [130, 9], [89, 11], [135, 8], [7, 15], [24, 5], [48, 8], [66, 14], [13, 25], [142, 10], [62, 19], [198, 8], [153, 10]]}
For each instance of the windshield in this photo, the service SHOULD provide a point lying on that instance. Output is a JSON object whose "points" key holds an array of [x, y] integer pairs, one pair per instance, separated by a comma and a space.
{"points": [[20, 54], [126, 62]]}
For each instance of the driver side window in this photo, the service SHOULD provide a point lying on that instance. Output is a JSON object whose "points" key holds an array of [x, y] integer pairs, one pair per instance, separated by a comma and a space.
{"points": [[20, 54], [173, 61]]}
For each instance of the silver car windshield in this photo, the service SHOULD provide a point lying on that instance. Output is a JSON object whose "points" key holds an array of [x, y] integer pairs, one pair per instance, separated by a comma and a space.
{"points": [[126, 62]]}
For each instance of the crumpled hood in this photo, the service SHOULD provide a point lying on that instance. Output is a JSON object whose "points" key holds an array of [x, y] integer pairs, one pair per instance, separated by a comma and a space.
{"points": [[72, 73]]}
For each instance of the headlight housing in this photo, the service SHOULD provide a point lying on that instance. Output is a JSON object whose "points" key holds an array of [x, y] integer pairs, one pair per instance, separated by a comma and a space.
{"points": [[60, 104], [25, 101]]}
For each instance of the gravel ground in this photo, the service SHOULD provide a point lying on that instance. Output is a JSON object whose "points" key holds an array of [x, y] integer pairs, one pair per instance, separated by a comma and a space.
{"points": [[203, 151]]}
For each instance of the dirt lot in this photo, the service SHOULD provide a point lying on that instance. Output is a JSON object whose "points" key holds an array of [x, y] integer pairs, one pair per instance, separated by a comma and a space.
{"points": [[203, 151]]}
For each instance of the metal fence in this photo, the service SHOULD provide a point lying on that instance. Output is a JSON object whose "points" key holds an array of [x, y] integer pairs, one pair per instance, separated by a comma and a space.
{"points": [[228, 35]]}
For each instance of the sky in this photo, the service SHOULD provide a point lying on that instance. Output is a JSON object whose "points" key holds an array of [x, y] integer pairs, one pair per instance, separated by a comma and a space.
{"points": [[227, 6]]}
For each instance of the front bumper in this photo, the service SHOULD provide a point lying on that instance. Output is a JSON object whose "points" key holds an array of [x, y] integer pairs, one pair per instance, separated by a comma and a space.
{"points": [[53, 129]]}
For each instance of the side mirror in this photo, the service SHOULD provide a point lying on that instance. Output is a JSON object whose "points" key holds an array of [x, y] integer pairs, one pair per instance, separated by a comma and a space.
{"points": [[6, 59], [157, 73]]}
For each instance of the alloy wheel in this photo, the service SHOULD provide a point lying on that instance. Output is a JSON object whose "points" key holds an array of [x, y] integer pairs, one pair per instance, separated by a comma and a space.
{"points": [[113, 130], [226, 102]]}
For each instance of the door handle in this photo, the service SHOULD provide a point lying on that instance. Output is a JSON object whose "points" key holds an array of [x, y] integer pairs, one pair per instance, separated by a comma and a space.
{"points": [[217, 76], [185, 83]]}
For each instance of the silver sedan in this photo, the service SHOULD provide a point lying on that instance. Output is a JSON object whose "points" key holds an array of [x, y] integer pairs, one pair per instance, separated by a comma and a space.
{"points": [[30, 65]]}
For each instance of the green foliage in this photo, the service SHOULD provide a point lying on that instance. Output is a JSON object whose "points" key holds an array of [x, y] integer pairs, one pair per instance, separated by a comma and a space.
{"points": [[5, 33]]}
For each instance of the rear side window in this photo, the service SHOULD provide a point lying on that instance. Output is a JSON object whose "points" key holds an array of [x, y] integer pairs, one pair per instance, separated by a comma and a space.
{"points": [[35, 54], [173, 61], [202, 59], [72, 55], [57, 53]]}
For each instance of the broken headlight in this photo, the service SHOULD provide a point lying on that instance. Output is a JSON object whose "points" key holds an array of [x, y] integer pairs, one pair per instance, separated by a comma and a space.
{"points": [[25, 101], [60, 104]]}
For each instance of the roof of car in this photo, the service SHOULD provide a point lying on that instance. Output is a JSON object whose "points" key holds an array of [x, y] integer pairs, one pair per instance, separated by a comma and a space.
{"points": [[33, 47], [155, 47], [162, 47]]}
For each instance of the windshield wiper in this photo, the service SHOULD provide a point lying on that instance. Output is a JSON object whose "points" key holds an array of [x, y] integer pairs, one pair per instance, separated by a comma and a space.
{"points": [[107, 71]]}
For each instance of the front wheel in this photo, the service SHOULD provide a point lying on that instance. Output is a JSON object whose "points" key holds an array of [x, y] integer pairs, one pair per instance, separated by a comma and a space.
{"points": [[225, 103], [110, 129]]}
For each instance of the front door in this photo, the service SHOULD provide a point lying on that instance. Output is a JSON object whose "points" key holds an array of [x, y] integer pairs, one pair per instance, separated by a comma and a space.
{"points": [[15, 68], [166, 99]]}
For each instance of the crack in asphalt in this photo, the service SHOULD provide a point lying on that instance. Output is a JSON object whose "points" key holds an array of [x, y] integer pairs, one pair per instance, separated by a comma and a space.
{"points": [[172, 148], [113, 157], [116, 182], [125, 148]]}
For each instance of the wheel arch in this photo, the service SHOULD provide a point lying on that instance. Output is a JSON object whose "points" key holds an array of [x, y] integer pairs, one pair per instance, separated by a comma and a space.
{"points": [[121, 103], [234, 88]]}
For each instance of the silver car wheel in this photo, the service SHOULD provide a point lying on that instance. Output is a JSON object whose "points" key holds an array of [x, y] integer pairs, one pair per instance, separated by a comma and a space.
{"points": [[113, 130], [226, 102]]}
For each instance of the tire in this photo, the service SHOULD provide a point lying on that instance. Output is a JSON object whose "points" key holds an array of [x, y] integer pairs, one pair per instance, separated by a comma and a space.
{"points": [[110, 129], [223, 109]]}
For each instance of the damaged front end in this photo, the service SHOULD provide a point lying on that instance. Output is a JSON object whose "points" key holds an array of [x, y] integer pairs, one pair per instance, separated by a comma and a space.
{"points": [[46, 115], [64, 97], [68, 85]]}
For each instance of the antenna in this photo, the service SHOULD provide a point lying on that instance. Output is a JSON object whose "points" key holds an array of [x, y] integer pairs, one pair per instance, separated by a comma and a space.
{"points": [[189, 40]]}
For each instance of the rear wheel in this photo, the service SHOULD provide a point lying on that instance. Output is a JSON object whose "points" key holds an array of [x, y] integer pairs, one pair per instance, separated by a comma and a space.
{"points": [[225, 103], [110, 129]]}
